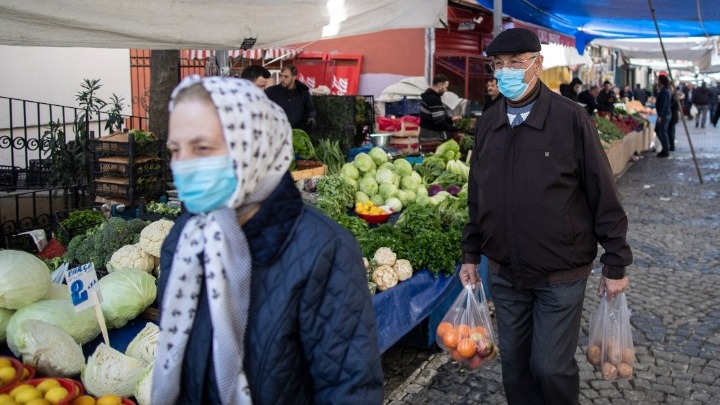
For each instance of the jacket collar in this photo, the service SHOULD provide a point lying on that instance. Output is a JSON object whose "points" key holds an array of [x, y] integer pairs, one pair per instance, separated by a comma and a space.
{"points": [[537, 116]]}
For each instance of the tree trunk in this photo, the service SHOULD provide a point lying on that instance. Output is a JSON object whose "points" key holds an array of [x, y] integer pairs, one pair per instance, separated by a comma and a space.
{"points": [[164, 76]]}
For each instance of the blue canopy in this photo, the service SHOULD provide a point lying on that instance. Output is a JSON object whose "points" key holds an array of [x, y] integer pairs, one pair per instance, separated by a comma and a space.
{"points": [[614, 19]]}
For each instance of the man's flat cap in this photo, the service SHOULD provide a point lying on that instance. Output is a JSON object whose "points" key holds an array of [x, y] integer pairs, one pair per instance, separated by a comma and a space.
{"points": [[514, 41]]}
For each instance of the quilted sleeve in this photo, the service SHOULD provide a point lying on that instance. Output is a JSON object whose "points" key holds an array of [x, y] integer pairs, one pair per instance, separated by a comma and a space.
{"points": [[337, 326]]}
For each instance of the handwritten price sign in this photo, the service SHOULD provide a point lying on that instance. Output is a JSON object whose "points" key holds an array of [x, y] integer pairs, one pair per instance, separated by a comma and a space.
{"points": [[82, 282]]}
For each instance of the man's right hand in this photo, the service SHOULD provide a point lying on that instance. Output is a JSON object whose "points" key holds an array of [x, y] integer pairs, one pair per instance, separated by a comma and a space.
{"points": [[469, 274]]}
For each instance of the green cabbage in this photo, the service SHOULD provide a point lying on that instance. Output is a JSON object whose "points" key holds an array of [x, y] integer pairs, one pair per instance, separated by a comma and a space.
{"points": [[143, 345], [385, 175], [361, 197], [421, 191], [403, 167], [387, 165], [352, 182], [82, 326], [394, 204], [410, 183], [368, 186], [57, 292], [143, 389], [388, 190], [24, 279], [51, 350], [404, 197], [378, 155], [364, 162], [423, 200], [377, 200], [448, 150], [350, 170], [370, 174], [126, 294], [5, 315], [110, 372]]}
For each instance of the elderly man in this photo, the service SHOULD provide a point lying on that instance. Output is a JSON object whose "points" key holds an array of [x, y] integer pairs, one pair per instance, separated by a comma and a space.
{"points": [[294, 97], [541, 195]]}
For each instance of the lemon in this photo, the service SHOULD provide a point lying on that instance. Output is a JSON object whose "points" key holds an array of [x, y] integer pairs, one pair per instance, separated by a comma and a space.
{"points": [[4, 362], [109, 400], [7, 374], [6, 399], [27, 395], [83, 400], [46, 385], [56, 394], [15, 391], [39, 401], [26, 374]]}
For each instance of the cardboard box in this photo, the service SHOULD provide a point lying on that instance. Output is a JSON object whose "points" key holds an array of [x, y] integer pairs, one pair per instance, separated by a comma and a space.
{"points": [[408, 145]]}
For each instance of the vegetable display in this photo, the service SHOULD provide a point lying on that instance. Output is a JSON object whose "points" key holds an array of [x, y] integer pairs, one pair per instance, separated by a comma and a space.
{"points": [[99, 244], [302, 145], [24, 279], [328, 151], [77, 220]]}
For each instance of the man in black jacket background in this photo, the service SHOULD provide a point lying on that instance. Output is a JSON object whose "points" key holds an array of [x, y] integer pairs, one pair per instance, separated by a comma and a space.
{"points": [[589, 98], [435, 124], [294, 97]]}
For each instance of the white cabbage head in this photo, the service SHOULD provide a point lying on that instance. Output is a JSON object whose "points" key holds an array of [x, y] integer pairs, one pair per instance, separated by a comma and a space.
{"points": [[51, 350], [110, 372]]}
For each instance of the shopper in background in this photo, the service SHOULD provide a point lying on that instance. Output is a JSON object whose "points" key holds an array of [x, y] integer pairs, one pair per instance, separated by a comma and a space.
{"points": [[688, 92], [640, 94], [701, 101], [263, 299], [493, 94], [606, 98], [541, 196], [664, 114], [571, 90], [435, 124], [257, 74], [674, 117], [626, 94], [294, 97], [589, 98], [714, 95]]}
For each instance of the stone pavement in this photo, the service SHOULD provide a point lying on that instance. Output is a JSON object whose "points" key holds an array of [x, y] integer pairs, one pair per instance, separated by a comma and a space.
{"points": [[674, 296]]}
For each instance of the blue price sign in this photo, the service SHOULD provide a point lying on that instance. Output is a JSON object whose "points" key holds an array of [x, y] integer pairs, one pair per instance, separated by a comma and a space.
{"points": [[82, 281]]}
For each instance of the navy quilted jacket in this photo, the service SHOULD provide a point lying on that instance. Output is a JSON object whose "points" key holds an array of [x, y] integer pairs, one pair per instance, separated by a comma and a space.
{"points": [[311, 334]]}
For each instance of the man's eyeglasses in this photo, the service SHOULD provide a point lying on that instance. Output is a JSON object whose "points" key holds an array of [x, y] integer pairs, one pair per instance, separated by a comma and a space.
{"points": [[513, 63]]}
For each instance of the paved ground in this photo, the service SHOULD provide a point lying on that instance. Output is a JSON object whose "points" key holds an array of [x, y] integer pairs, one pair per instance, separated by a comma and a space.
{"points": [[674, 296]]}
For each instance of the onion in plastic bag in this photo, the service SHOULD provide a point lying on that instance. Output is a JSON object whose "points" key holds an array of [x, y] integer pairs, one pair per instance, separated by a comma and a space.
{"points": [[110, 372], [143, 390], [82, 326], [24, 279], [143, 345], [51, 350], [125, 294]]}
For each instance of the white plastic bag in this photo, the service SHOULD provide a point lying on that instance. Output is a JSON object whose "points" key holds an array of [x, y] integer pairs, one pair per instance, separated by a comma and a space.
{"points": [[611, 346]]}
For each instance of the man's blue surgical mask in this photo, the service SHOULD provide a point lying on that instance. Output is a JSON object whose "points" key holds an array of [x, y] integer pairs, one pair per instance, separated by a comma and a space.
{"points": [[510, 81], [204, 184]]}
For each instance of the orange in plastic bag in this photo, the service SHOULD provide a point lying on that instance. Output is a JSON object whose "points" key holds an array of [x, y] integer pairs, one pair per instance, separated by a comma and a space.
{"points": [[466, 330], [610, 346]]}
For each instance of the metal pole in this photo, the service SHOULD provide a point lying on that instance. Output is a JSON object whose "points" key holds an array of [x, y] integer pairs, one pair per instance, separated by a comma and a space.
{"points": [[497, 17], [222, 60], [682, 116]]}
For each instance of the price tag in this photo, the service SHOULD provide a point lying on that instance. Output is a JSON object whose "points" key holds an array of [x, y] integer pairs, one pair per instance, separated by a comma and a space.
{"points": [[82, 282]]}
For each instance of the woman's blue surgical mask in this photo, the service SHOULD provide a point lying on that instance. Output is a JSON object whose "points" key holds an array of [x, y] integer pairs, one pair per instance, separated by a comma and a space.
{"points": [[510, 81], [204, 184]]}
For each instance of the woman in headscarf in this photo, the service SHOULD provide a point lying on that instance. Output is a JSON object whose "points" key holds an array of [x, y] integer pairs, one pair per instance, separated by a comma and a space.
{"points": [[264, 299]]}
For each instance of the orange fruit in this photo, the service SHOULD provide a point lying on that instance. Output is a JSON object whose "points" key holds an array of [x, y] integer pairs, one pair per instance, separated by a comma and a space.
{"points": [[480, 329], [466, 347], [443, 328], [450, 339], [463, 330], [456, 355]]}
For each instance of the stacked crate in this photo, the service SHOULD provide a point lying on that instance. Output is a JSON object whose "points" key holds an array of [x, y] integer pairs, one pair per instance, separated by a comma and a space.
{"points": [[125, 170]]}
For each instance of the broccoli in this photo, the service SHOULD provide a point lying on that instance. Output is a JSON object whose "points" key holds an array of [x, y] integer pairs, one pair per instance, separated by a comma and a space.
{"points": [[136, 225], [108, 237], [71, 254]]}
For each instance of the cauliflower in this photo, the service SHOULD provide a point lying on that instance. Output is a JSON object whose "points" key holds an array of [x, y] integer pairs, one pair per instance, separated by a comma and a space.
{"points": [[156, 266], [384, 276], [131, 257], [403, 269], [385, 256], [366, 263], [152, 237]]}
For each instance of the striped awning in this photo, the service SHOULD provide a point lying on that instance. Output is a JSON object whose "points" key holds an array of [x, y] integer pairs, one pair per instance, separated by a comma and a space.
{"points": [[254, 54]]}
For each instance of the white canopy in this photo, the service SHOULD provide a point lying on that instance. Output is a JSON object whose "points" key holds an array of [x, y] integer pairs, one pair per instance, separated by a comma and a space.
{"points": [[203, 24], [702, 51]]}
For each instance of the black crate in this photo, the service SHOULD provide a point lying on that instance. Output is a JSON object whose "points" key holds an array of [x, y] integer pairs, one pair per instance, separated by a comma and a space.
{"points": [[126, 167], [114, 188], [66, 234], [406, 106], [365, 115], [123, 144], [9, 177]]}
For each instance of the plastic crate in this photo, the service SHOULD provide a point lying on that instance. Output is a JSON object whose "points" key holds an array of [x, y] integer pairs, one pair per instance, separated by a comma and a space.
{"points": [[123, 166], [406, 106], [8, 177], [110, 186], [65, 235], [122, 144]]}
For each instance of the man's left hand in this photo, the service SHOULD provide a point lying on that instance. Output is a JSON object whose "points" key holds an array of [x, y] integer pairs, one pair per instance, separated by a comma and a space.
{"points": [[456, 118], [311, 123], [612, 287]]}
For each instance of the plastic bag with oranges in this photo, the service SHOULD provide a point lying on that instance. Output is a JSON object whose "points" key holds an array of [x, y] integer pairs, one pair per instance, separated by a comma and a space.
{"points": [[466, 330]]}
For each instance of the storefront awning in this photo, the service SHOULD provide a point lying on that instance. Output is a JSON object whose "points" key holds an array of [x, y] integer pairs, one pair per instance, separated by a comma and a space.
{"points": [[254, 54]]}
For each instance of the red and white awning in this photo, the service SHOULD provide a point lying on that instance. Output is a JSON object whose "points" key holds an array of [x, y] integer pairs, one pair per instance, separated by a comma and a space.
{"points": [[254, 54]]}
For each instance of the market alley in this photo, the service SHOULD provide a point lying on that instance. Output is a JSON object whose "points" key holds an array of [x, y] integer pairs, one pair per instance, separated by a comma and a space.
{"points": [[673, 296]]}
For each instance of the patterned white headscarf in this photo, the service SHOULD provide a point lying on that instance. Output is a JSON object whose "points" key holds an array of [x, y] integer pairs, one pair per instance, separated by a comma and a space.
{"points": [[259, 141]]}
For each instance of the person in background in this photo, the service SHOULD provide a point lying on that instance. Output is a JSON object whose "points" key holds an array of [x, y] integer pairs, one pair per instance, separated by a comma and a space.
{"points": [[263, 298], [674, 117], [538, 216], [294, 98], [571, 90], [664, 114], [712, 106], [493, 94], [626, 93], [640, 94], [589, 98], [435, 124], [606, 98], [701, 101], [257, 74], [688, 92]]}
